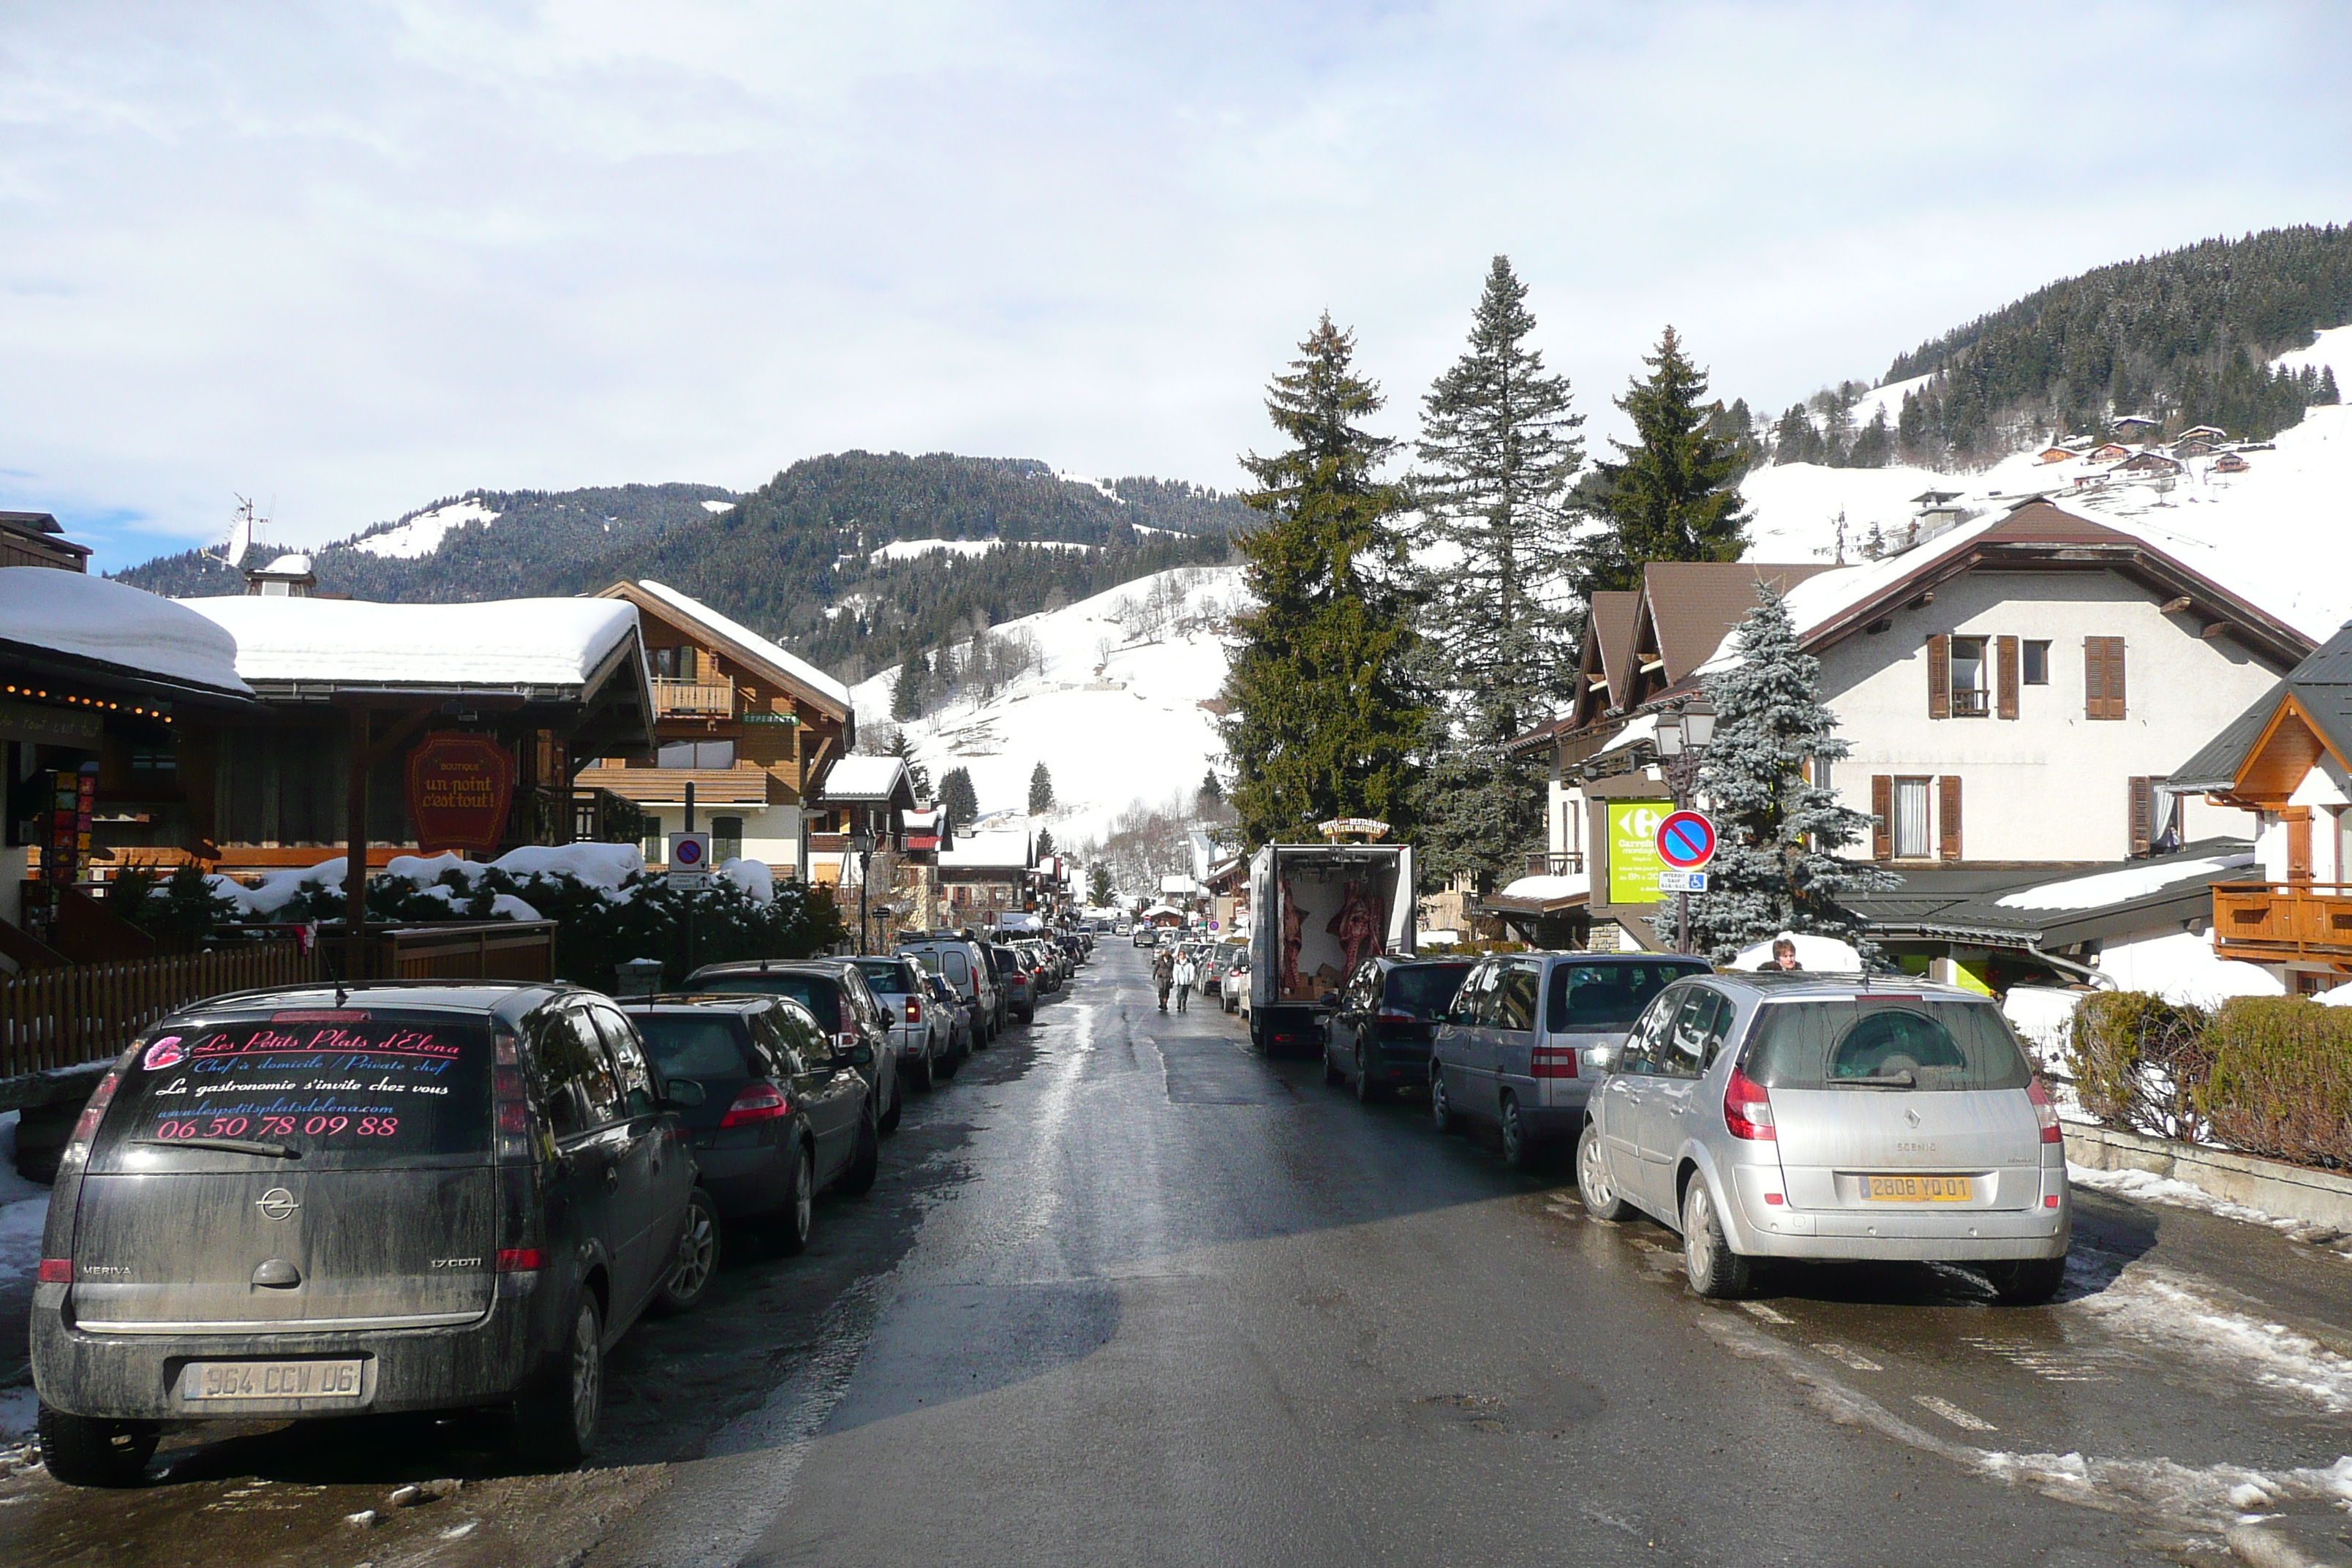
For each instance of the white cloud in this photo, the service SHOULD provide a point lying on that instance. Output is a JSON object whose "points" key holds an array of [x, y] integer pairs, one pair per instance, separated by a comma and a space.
{"points": [[361, 256]]}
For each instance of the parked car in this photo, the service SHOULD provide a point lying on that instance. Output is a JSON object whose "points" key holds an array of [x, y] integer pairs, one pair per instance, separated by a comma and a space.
{"points": [[922, 1040], [956, 1012], [1236, 994], [1146, 935], [1513, 1049], [1800, 1116], [1019, 985], [1379, 1030], [526, 1192], [1043, 970], [1222, 958], [835, 993], [959, 962], [784, 1114]]}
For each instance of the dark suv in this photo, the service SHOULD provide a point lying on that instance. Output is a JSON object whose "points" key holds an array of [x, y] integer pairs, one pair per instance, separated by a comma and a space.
{"points": [[838, 997], [316, 1202], [1380, 1029], [785, 1112]]}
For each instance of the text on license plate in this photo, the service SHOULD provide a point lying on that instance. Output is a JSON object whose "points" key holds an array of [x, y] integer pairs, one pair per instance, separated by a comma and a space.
{"points": [[1921, 1189], [270, 1380]]}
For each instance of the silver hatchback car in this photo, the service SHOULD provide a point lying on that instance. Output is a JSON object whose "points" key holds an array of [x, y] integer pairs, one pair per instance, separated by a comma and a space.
{"points": [[1809, 1117]]}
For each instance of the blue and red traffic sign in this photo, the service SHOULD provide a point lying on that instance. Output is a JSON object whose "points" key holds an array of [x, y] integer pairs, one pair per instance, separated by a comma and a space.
{"points": [[1686, 840]]}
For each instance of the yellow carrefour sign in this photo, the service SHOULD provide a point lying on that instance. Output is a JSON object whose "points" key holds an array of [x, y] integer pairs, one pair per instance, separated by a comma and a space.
{"points": [[1633, 863]]}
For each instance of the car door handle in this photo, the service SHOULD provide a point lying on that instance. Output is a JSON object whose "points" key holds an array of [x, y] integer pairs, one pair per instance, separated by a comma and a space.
{"points": [[612, 1178]]}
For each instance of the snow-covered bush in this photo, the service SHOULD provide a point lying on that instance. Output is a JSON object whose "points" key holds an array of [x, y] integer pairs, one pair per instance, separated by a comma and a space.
{"points": [[2138, 1062]]}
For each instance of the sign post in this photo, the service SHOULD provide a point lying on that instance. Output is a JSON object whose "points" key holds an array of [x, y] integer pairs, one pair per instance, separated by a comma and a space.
{"points": [[1686, 843]]}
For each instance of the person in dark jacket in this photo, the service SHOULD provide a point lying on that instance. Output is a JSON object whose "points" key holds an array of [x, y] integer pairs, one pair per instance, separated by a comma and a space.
{"points": [[1164, 974]]}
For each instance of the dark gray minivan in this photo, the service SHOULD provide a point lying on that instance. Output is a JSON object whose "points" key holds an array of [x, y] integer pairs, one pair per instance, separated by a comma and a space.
{"points": [[318, 1202]]}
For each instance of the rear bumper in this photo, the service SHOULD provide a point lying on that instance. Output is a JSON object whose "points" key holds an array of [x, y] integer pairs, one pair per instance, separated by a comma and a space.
{"points": [[136, 1376], [743, 1181], [1896, 1233]]}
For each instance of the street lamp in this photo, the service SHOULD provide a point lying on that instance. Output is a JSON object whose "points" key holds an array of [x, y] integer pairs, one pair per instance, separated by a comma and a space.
{"points": [[1682, 739], [861, 844]]}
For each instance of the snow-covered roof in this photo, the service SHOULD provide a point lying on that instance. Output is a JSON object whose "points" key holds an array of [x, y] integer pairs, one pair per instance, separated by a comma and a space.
{"points": [[499, 643], [115, 623], [790, 666], [864, 779], [1548, 888], [988, 852], [2120, 887], [288, 566], [1644, 728]]}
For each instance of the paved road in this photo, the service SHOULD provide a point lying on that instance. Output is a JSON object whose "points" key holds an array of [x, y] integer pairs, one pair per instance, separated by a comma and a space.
{"points": [[1128, 1293]]}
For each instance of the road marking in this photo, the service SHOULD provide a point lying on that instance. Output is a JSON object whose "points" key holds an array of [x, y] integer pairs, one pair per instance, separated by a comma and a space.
{"points": [[1758, 1309], [2038, 1359], [1953, 1414], [1845, 1357]]}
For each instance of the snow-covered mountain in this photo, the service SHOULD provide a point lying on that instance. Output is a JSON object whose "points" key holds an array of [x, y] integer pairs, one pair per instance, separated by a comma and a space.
{"points": [[1115, 711]]}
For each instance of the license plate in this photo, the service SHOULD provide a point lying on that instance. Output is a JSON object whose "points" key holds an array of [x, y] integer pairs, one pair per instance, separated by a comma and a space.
{"points": [[1921, 1189], [203, 1380]]}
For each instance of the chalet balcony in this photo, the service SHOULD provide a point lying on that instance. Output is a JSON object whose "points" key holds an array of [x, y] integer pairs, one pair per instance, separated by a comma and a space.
{"points": [[713, 698], [1563, 863], [2281, 922], [667, 786]]}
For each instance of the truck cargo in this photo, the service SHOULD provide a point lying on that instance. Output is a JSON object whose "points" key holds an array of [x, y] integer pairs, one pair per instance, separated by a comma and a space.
{"points": [[1316, 911]]}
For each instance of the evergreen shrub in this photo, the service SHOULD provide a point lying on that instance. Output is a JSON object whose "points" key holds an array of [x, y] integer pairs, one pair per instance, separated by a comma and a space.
{"points": [[2139, 1062], [2280, 1080]]}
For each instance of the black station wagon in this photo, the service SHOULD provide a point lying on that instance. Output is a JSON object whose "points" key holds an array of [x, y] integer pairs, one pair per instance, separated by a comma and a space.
{"points": [[392, 1197]]}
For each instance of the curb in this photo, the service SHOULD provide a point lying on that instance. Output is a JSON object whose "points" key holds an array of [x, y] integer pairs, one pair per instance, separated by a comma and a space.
{"points": [[2288, 1192]]}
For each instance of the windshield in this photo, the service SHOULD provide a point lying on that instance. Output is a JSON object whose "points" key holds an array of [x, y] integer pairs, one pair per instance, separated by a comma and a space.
{"points": [[1425, 990], [693, 1044], [890, 975], [341, 1087], [1894, 1042], [1609, 996]]}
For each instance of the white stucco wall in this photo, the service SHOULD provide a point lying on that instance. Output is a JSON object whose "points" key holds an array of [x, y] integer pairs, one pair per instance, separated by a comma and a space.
{"points": [[772, 834], [2051, 784]]}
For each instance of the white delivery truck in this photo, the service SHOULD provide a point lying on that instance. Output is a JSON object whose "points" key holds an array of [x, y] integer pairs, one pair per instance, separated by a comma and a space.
{"points": [[1316, 911]]}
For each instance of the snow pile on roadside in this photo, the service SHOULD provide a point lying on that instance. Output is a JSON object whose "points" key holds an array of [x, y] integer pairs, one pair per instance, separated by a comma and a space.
{"points": [[603, 867], [2149, 1187], [2159, 1305]]}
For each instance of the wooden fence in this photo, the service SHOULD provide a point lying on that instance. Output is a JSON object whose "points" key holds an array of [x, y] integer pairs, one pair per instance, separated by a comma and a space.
{"points": [[89, 1012]]}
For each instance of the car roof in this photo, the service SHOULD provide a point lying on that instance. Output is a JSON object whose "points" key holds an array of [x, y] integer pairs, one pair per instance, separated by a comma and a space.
{"points": [[510, 1001], [701, 1002], [1803, 985], [830, 968]]}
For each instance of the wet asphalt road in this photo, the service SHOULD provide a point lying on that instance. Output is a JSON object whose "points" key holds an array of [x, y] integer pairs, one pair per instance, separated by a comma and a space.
{"points": [[1128, 1293]]}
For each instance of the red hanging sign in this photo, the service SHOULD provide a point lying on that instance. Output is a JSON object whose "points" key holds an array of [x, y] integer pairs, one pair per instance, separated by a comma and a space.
{"points": [[461, 788]]}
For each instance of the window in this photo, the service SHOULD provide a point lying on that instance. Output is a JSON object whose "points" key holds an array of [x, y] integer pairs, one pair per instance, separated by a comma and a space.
{"points": [[1690, 1044], [2102, 677], [1824, 774], [674, 663], [1970, 698], [2037, 664], [696, 754], [1644, 1043], [725, 839], [1587, 996], [621, 1040], [657, 842], [581, 1093], [153, 763], [1515, 1006], [1911, 820]]}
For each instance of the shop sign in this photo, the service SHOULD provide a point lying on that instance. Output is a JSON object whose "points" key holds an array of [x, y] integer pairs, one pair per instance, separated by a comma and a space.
{"points": [[1632, 829], [461, 788]]}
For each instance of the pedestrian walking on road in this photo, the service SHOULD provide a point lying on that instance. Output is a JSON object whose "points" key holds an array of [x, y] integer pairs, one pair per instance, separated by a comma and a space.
{"points": [[1186, 974], [1164, 974]]}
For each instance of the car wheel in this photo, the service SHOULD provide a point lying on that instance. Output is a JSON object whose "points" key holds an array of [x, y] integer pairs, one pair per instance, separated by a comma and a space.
{"points": [[1369, 1090], [698, 1258], [1331, 1073], [865, 1160], [1442, 1114], [1714, 1269], [1593, 1184], [2026, 1281], [556, 1420], [793, 1222], [1521, 1150], [90, 1451], [889, 1122], [919, 1074]]}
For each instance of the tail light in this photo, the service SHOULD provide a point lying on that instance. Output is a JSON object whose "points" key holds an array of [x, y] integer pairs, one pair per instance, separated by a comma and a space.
{"points": [[1396, 1015], [1552, 1061], [2045, 1112], [914, 1011], [86, 1125], [1748, 1110], [757, 1102], [520, 1260], [56, 1271], [511, 1098]]}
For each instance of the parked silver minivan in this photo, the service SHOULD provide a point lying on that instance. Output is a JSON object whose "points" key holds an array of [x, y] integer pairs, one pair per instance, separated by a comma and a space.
{"points": [[1799, 1116], [1513, 1047]]}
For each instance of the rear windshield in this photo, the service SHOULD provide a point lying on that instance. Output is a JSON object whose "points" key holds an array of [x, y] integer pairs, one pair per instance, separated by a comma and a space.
{"points": [[693, 1044], [814, 992], [1609, 996], [1895, 1043], [345, 1087], [1425, 990], [892, 975]]}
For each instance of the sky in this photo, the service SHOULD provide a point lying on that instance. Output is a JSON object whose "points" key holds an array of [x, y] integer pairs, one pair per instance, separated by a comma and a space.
{"points": [[349, 258]]}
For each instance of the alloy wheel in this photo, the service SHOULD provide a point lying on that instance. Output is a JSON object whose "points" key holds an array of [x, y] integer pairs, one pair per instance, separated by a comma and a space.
{"points": [[587, 1373]]}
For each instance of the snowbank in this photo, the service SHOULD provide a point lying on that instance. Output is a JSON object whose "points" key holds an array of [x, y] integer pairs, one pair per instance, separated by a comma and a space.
{"points": [[2183, 968], [116, 624], [605, 866], [753, 877], [503, 642], [2043, 1017], [1825, 954]]}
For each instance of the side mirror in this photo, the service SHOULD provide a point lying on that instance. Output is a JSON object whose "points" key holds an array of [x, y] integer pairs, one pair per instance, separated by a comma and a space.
{"points": [[1602, 1059], [861, 1056], [684, 1094]]}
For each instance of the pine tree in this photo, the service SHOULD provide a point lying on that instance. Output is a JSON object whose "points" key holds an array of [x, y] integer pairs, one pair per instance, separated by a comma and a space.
{"points": [[902, 746], [1044, 843], [1776, 866], [907, 691], [1324, 717], [1676, 496], [1098, 885], [1041, 790], [1498, 449], [960, 801], [2328, 391], [1212, 793], [1874, 446]]}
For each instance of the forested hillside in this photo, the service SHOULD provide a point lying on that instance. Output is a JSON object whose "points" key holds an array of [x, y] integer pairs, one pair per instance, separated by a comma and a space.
{"points": [[2186, 335], [804, 557]]}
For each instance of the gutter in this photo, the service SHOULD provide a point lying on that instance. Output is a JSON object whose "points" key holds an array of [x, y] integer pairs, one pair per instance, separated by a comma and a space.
{"points": [[2100, 982]]}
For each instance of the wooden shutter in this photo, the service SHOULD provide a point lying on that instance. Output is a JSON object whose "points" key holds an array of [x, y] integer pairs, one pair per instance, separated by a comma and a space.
{"points": [[1939, 676], [1948, 817], [2298, 843], [1882, 811], [2006, 663], [2102, 677], [2142, 815]]}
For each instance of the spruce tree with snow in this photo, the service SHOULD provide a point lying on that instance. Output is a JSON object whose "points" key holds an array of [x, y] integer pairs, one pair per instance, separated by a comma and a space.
{"points": [[907, 691], [1676, 497], [901, 745], [1044, 844], [1776, 866], [958, 798], [1325, 718], [1498, 449], [1041, 790]]}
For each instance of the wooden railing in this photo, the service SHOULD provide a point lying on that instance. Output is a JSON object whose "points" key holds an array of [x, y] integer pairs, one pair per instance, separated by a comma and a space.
{"points": [[698, 698], [1560, 863], [89, 1012], [2267, 921]]}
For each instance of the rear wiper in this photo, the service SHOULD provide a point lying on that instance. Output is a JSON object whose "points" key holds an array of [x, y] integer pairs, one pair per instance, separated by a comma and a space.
{"points": [[231, 1145], [1899, 1078]]}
